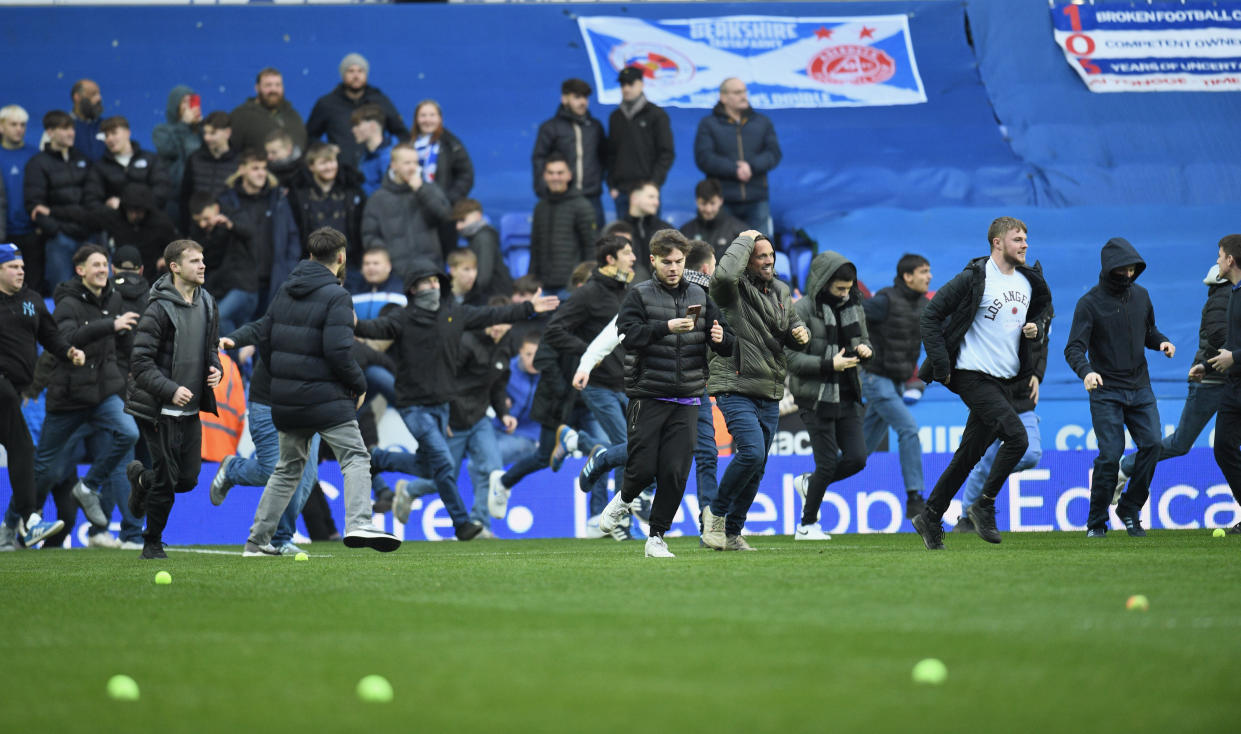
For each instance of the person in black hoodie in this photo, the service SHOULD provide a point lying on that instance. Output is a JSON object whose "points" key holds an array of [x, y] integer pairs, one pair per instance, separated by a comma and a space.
{"points": [[24, 321], [232, 277], [88, 315], [579, 138], [427, 335], [306, 341], [123, 164], [138, 222], [323, 193], [1206, 386], [175, 367], [640, 146], [1112, 323], [1228, 362], [494, 278], [978, 332]]}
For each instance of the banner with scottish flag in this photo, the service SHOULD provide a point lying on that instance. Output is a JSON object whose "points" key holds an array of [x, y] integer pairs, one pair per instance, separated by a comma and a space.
{"points": [[786, 62]]}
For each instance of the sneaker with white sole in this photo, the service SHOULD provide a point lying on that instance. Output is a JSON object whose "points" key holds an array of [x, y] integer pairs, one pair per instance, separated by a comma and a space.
{"points": [[801, 483], [593, 470], [810, 532], [616, 511], [254, 550], [402, 503], [8, 537], [369, 536], [737, 543], [712, 529], [220, 484], [657, 548], [35, 530], [288, 549], [497, 495], [566, 443], [103, 540], [131, 545], [91, 506]]}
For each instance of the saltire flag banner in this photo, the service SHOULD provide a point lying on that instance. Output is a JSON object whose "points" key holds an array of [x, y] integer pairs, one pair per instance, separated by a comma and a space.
{"points": [[785, 62], [1162, 47]]}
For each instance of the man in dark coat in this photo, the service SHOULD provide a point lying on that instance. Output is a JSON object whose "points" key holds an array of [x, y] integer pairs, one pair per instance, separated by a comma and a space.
{"points": [[123, 164], [562, 233], [232, 276], [261, 207], [713, 225], [1228, 362], [579, 138], [643, 216], [739, 147], [640, 146], [138, 222], [316, 388], [1112, 324], [54, 192], [209, 168], [324, 193], [267, 110], [494, 277], [331, 113], [175, 368], [427, 340]]}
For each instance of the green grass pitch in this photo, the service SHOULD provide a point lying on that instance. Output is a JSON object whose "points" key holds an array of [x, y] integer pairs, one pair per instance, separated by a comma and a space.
{"points": [[589, 636]]}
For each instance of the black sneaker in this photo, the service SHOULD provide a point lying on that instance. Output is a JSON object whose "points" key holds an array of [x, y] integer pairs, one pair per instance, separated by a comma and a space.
{"points": [[469, 531], [383, 502], [153, 549], [964, 525], [932, 531], [1096, 533], [914, 505], [983, 517], [137, 492], [1234, 530], [1132, 521]]}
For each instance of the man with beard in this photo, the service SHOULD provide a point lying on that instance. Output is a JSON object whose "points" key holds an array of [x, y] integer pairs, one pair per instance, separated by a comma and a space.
{"points": [[332, 113], [87, 116], [267, 110]]}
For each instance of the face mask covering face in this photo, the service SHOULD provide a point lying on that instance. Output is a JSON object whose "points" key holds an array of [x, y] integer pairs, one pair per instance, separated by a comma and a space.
{"points": [[428, 299]]}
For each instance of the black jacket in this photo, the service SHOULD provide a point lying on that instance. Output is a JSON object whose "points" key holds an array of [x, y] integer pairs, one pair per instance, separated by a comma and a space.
{"points": [[1113, 323], [639, 148], [494, 279], [229, 258], [151, 360], [482, 379], [260, 378], [720, 143], [150, 235], [1213, 326], [719, 232], [562, 235], [59, 184], [454, 171], [658, 363], [560, 135], [25, 321], [268, 219], [340, 208], [307, 342], [892, 319], [427, 343], [950, 314], [643, 229], [134, 290], [86, 321], [580, 318], [331, 114], [107, 177], [205, 172]]}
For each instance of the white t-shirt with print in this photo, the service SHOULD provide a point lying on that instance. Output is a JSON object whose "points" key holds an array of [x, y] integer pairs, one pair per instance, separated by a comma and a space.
{"points": [[990, 346]]}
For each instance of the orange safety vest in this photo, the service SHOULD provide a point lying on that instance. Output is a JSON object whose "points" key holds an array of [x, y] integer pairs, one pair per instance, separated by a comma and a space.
{"points": [[222, 433]]}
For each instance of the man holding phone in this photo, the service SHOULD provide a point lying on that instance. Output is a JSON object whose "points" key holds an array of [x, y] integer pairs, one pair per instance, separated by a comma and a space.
{"points": [[177, 138]]}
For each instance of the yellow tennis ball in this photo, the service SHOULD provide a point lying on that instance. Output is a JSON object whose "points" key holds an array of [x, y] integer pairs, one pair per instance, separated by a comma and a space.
{"points": [[1137, 603], [163, 578], [301, 557], [1218, 533], [375, 689], [930, 671], [122, 688]]}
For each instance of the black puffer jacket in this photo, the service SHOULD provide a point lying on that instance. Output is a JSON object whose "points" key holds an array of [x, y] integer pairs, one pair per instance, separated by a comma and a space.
{"points": [[494, 279], [569, 135], [205, 172], [561, 236], [640, 148], [58, 183], [86, 321], [1213, 327], [134, 290], [150, 235], [108, 178], [950, 314], [658, 363], [482, 379], [229, 258], [427, 343], [307, 344], [151, 359], [892, 318], [331, 116], [579, 319], [719, 232]]}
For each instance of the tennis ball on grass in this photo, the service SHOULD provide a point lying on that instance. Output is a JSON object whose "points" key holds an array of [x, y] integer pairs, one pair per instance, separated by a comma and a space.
{"points": [[122, 688], [375, 689], [163, 578], [301, 557], [930, 671], [1218, 533], [1137, 603]]}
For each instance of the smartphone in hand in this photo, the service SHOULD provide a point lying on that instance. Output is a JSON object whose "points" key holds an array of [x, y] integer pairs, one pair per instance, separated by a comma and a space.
{"points": [[693, 312]]}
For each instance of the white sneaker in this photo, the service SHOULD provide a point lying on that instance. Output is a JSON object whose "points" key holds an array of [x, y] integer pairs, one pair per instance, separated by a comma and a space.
{"points": [[712, 529], [131, 545], [616, 511], [657, 548], [103, 540], [402, 503], [810, 532], [89, 500], [1121, 480], [592, 528], [300, 539], [497, 495], [800, 483]]}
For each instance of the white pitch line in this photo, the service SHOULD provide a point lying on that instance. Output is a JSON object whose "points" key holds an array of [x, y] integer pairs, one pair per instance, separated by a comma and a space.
{"points": [[210, 552]]}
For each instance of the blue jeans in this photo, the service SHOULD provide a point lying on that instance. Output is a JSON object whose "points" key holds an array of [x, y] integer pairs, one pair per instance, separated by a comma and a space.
{"points": [[427, 424], [541, 459], [885, 407], [256, 471], [756, 214], [58, 260], [706, 454], [513, 446], [1113, 409], [1201, 404], [107, 418], [379, 381], [236, 309], [752, 423], [973, 485], [479, 442], [608, 407]]}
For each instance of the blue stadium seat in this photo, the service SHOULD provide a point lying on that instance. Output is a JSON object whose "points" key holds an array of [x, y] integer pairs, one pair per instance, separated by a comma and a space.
{"points": [[785, 241], [784, 268], [518, 260], [801, 266], [514, 231], [677, 217]]}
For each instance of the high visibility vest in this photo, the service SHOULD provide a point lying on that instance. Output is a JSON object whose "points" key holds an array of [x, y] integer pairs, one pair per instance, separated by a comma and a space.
{"points": [[222, 433]]}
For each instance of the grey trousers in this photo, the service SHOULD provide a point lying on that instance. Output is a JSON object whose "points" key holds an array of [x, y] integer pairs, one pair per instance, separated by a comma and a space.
{"points": [[355, 465]]}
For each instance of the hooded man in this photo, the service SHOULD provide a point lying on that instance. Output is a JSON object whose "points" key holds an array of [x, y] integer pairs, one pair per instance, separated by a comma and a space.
{"points": [[177, 138], [1112, 324]]}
